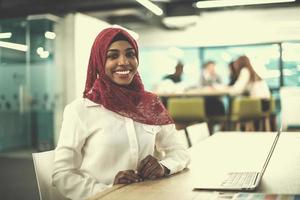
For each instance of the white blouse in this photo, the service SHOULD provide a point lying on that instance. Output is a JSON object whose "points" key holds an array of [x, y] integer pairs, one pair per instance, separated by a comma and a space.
{"points": [[95, 144], [258, 89]]}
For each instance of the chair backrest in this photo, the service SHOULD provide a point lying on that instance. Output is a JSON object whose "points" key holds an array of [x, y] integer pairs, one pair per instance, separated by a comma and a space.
{"points": [[43, 166], [290, 106], [187, 108], [183, 137], [246, 108], [198, 132]]}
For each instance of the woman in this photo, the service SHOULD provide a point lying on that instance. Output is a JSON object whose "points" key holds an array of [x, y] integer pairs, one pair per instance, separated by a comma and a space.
{"points": [[110, 135], [248, 81]]}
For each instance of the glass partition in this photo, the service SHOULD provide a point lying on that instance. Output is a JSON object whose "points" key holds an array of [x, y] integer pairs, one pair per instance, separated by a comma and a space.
{"points": [[291, 63], [27, 96]]}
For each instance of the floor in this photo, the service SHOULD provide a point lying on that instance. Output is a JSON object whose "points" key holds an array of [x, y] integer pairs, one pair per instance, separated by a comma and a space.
{"points": [[17, 176]]}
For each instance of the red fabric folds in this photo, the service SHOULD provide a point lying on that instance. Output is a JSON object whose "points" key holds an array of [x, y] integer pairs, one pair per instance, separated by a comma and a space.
{"points": [[131, 101]]}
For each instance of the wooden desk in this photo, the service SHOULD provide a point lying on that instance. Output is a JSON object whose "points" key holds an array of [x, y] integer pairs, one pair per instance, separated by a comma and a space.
{"points": [[215, 155]]}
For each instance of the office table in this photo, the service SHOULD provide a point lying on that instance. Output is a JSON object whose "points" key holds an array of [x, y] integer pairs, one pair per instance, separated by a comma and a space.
{"points": [[197, 92], [220, 153]]}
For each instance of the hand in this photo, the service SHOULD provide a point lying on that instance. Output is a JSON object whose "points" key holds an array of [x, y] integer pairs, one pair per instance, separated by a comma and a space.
{"points": [[126, 177], [150, 168]]}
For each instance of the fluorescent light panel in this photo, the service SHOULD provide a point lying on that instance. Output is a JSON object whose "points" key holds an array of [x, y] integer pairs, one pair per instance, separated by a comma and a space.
{"points": [[227, 3], [151, 6], [15, 46], [5, 35]]}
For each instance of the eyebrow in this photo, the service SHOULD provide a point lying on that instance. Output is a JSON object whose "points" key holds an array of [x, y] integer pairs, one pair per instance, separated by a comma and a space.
{"points": [[116, 50]]}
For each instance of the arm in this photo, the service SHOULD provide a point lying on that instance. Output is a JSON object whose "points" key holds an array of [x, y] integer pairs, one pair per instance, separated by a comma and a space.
{"points": [[241, 83], [176, 156], [67, 176]]}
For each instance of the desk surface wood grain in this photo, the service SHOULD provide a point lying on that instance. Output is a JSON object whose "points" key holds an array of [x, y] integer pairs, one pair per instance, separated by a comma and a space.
{"points": [[216, 153]]}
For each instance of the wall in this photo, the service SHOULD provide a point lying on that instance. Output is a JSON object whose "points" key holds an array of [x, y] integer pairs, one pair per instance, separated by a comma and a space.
{"points": [[75, 36]]}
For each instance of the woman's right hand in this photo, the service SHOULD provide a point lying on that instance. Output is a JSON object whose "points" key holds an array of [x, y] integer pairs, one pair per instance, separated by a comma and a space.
{"points": [[126, 177]]}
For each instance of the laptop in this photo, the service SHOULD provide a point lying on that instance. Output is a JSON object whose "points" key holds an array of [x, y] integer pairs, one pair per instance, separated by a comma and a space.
{"points": [[242, 181]]}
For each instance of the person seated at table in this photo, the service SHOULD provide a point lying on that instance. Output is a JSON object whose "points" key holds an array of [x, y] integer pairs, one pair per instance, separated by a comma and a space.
{"points": [[116, 132], [171, 83], [249, 83], [210, 78], [176, 77]]}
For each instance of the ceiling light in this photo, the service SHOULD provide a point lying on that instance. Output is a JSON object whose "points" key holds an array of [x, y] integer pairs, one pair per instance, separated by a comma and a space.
{"points": [[50, 35], [227, 3], [5, 35], [151, 6], [15, 46], [181, 21]]}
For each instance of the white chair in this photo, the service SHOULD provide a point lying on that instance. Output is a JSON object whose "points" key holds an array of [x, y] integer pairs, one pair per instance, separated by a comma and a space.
{"points": [[183, 137], [197, 132], [43, 166], [290, 106]]}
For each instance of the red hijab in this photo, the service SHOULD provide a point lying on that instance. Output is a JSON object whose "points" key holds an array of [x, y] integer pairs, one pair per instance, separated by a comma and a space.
{"points": [[130, 101]]}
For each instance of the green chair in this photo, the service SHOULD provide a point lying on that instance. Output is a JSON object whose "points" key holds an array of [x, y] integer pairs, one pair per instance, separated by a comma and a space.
{"points": [[186, 110], [245, 111]]}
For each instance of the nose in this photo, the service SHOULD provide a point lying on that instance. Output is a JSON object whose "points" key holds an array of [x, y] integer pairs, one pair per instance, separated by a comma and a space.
{"points": [[123, 60]]}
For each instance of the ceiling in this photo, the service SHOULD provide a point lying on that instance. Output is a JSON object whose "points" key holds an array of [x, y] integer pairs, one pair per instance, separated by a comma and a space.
{"points": [[125, 12]]}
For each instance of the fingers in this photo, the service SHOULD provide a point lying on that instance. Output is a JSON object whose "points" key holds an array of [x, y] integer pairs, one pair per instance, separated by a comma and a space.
{"points": [[143, 163], [150, 168], [126, 177]]}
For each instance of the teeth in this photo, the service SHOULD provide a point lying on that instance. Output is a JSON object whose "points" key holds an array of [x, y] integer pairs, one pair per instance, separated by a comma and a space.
{"points": [[123, 72]]}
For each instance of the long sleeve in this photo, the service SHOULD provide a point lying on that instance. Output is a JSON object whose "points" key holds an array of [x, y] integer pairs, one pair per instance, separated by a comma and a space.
{"points": [[176, 156], [67, 176], [241, 83]]}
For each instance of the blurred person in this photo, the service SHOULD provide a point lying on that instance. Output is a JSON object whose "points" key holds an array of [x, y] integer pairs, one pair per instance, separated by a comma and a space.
{"points": [[209, 76], [176, 77], [248, 82], [233, 73], [110, 136], [171, 83]]}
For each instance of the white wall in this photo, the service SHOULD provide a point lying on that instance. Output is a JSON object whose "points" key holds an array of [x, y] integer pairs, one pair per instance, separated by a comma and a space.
{"points": [[229, 27], [75, 36], [86, 29]]}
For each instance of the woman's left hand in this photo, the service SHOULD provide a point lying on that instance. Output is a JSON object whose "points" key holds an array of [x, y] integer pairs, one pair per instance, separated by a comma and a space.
{"points": [[150, 168]]}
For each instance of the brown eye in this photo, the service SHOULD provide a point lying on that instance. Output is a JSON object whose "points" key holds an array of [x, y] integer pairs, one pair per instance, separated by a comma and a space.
{"points": [[112, 56], [130, 54]]}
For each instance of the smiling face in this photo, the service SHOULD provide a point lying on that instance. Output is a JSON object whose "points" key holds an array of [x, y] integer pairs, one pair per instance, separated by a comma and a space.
{"points": [[121, 62]]}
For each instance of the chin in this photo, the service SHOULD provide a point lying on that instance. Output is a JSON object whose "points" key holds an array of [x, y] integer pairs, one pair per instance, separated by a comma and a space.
{"points": [[123, 83]]}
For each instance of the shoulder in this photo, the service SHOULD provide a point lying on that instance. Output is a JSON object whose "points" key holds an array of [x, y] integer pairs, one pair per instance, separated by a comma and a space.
{"points": [[81, 105]]}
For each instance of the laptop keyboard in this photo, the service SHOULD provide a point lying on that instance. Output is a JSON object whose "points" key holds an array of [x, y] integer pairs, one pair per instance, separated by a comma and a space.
{"points": [[239, 179]]}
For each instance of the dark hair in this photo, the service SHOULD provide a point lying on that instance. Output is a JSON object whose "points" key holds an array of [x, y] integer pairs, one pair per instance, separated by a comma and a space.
{"points": [[208, 63], [120, 37]]}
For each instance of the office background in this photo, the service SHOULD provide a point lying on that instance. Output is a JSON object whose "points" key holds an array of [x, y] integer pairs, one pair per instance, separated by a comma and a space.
{"points": [[47, 69]]}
